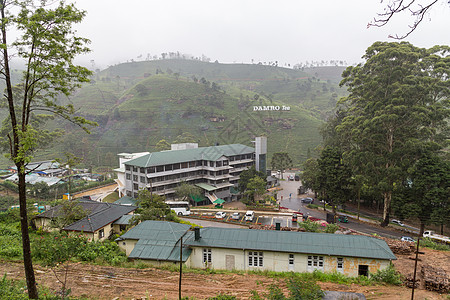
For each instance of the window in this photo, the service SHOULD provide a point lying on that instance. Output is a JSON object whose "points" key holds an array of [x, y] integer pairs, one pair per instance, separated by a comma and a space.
{"points": [[123, 228], [160, 169], [134, 169], [168, 167], [101, 233], [135, 186], [142, 170], [225, 162], [206, 256], [184, 165], [219, 164], [128, 176], [211, 164], [143, 179], [363, 270], [315, 262], [135, 178], [127, 167], [340, 264], [291, 262], [255, 259], [191, 164], [151, 170]]}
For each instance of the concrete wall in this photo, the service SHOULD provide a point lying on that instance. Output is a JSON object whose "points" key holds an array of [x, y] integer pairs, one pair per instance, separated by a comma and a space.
{"points": [[127, 245], [279, 261]]}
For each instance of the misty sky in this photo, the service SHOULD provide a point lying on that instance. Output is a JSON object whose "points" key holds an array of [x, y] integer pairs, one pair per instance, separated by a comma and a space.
{"points": [[287, 31]]}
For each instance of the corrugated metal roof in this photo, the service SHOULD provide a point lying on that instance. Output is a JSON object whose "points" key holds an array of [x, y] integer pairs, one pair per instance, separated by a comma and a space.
{"points": [[206, 187], [158, 240], [177, 156], [294, 242], [126, 200], [157, 230], [159, 250], [124, 220]]}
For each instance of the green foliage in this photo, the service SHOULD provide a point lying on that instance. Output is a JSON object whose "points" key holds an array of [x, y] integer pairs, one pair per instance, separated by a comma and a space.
{"points": [[392, 113], [151, 207], [187, 191], [10, 185], [245, 177], [300, 288], [281, 161], [432, 244], [69, 211], [309, 226], [331, 228], [16, 290], [256, 186], [388, 275], [10, 235], [51, 249], [334, 177], [162, 145]]}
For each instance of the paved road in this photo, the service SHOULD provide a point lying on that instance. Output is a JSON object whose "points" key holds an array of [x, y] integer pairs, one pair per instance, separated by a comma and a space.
{"points": [[292, 201]]}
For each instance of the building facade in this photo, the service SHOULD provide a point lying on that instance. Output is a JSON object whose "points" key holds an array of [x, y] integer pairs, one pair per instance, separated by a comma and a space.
{"points": [[214, 169]]}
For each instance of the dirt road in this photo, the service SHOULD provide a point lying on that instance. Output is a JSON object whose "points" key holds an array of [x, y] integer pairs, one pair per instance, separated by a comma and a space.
{"points": [[101, 282]]}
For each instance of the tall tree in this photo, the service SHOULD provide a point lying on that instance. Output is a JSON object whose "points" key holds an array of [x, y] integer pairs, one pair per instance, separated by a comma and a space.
{"points": [[47, 44], [248, 174], [281, 161], [151, 207], [186, 192], [334, 176], [398, 104], [426, 192]]}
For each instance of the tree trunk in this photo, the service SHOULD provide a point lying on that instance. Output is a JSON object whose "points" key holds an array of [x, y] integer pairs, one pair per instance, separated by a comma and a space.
{"points": [[386, 208], [28, 264]]}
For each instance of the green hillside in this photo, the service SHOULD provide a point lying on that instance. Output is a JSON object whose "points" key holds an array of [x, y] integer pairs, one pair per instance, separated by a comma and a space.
{"points": [[137, 104]]}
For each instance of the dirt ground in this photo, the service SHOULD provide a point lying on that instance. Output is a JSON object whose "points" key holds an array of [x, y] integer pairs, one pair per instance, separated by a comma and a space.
{"points": [[100, 282]]}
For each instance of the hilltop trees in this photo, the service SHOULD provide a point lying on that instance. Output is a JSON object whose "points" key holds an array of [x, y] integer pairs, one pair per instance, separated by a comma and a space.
{"points": [[396, 110], [48, 45]]}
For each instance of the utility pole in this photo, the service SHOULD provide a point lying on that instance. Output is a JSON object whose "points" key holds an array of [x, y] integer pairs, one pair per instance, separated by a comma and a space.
{"points": [[415, 268], [181, 267]]}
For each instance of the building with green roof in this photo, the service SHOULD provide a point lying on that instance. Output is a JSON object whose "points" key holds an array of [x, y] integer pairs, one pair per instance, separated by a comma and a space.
{"points": [[214, 169], [252, 249]]}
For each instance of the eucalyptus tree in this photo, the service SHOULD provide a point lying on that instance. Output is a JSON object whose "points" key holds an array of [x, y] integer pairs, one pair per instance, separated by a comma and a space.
{"points": [[398, 105], [44, 40]]}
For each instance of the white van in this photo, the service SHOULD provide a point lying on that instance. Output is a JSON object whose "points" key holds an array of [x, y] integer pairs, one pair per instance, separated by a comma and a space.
{"points": [[249, 215]]}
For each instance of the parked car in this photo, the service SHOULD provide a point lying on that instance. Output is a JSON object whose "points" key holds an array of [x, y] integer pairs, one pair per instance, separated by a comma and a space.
{"points": [[400, 223], [236, 216], [407, 239], [291, 177], [220, 215], [249, 215], [307, 200]]}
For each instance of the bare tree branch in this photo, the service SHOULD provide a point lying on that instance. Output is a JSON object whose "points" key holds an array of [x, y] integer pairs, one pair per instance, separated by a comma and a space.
{"points": [[395, 7]]}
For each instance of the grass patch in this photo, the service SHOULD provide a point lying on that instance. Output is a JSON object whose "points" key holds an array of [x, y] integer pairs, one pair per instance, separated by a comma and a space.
{"points": [[429, 243], [114, 196]]}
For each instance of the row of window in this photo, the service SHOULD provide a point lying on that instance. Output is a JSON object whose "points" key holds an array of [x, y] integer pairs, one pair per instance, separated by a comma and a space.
{"points": [[177, 166], [256, 259]]}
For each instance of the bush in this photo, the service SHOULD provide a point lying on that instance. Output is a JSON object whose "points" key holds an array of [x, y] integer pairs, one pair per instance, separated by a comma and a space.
{"points": [[309, 226], [388, 275], [331, 228], [429, 243], [300, 288]]}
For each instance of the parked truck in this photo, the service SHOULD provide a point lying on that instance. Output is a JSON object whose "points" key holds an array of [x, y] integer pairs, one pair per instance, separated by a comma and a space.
{"points": [[436, 237]]}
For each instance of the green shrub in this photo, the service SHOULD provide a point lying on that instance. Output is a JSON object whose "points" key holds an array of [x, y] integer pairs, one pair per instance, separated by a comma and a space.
{"points": [[429, 243], [388, 275], [300, 288], [331, 228], [309, 226]]}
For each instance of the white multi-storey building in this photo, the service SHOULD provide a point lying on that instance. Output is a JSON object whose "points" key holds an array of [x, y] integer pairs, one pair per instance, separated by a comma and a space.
{"points": [[215, 169]]}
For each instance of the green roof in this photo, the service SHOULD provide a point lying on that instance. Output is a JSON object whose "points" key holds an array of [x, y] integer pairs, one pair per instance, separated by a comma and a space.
{"points": [[212, 153], [219, 201], [293, 242], [158, 240], [126, 200], [206, 187]]}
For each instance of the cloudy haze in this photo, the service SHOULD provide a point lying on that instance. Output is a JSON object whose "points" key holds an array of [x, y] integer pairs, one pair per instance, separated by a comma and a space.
{"points": [[287, 31]]}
